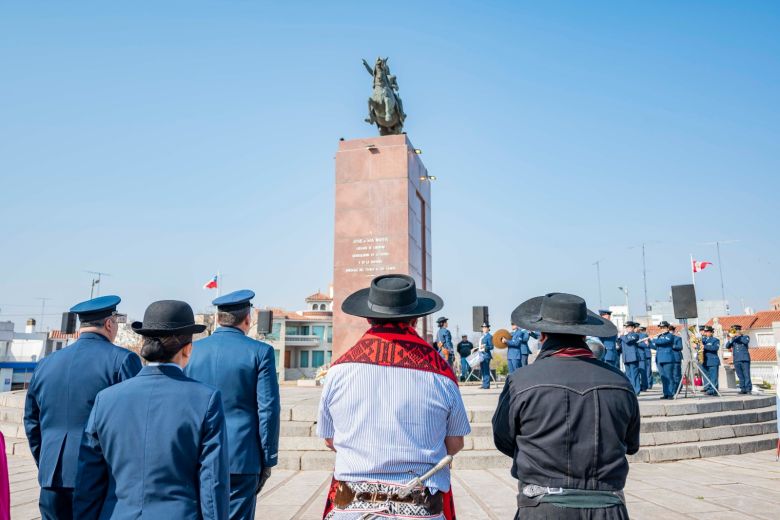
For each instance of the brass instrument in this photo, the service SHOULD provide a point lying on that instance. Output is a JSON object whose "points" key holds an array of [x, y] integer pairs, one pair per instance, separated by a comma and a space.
{"points": [[499, 335], [697, 345]]}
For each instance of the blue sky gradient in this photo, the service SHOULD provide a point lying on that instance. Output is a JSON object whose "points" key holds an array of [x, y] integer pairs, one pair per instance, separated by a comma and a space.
{"points": [[163, 141]]}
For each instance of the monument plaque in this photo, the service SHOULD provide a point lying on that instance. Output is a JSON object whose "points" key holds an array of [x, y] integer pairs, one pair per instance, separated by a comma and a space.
{"points": [[383, 223]]}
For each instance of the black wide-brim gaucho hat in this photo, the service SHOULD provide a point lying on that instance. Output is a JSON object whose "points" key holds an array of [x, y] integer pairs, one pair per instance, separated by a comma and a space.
{"points": [[392, 296], [167, 318], [561, 313]]}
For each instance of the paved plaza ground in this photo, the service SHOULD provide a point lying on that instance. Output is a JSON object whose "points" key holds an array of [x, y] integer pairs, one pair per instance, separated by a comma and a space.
{"points": [[734, 487]]}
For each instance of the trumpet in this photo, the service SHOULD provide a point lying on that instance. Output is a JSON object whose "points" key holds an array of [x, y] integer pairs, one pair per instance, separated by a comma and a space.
{"points": [[734, 332]]}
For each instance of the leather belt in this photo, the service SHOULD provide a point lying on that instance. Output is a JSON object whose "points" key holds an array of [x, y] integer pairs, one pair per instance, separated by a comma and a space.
{"points": [[346, 495]]}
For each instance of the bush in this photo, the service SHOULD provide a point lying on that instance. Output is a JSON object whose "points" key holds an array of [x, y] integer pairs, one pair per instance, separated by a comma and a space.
{"points": [[765, 385], [501, 366]]}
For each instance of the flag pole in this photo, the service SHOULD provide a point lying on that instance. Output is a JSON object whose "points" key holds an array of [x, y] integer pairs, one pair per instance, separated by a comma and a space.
{"points": [[693, 279], [219, 293]]}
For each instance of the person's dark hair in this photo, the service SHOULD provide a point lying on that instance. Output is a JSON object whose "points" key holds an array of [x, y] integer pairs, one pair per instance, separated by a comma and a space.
{"points": [[385, 321], [98, 324], [232, 318], [557, 341], [163, 349]]}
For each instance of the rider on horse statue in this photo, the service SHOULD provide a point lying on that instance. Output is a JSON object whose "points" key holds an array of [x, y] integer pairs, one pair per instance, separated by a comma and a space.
{"points": [[384, 106]]}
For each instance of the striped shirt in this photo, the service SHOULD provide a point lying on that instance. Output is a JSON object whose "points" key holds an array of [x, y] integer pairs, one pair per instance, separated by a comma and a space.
{"points": [[388, 424]]}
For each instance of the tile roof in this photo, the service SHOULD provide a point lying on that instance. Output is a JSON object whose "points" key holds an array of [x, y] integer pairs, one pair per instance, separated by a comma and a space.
{"points": [[58, 334], [320, 297], [727, 321], [764, 319], [763, 354]]}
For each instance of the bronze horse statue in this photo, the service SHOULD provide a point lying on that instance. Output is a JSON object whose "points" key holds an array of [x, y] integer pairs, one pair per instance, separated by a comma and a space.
{"points": [[385, 109]]}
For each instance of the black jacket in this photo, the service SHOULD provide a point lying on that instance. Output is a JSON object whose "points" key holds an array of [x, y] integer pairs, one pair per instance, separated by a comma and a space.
{"points": [[465, 348], [568, 422]]}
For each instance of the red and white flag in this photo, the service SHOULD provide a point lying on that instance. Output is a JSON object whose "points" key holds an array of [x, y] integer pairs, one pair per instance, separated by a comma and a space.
{"points": [[699, 266], [211, 284]]}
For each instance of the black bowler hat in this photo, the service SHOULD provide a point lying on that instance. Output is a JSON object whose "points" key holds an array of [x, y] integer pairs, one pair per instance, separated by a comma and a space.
{"points": [[168, 318], [707, 328], [664, 324], [561, 313], [442, 320], [392, 296], [736, 327]]}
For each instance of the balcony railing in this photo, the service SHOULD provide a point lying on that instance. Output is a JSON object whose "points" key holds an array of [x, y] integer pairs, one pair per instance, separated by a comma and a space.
{"points": [[302, 341]]}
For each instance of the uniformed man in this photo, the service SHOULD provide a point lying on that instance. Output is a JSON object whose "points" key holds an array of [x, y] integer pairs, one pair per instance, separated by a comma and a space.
{"points": [[631, 355], [155, 446], [60, 398], [517, 347], [644, 357], [611, 354], [664, 358], [485, 354], [711, 345], [739, 344], [244, 371], [444, 341], [465, 347], [677, 356]]}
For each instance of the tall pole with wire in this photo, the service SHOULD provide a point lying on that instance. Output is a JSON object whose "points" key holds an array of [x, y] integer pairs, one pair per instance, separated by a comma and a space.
{"points": [[722, 286], [644, 276], [597, 263], [43, 311]]}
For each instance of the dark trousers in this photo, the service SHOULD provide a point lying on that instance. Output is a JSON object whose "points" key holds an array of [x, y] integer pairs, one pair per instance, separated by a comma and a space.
{"points": [[523, 360], [632, 373], [649, 372], [551, 511], [743, 374], [56, 503], [464, 369], [677, 377], [243, 496], [712, 375], [484, 367], [614, 363], [514, 364], [668, 384], [643, 375]]}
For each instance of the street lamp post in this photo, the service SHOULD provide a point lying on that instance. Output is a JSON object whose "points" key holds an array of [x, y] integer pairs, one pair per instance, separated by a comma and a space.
{"points": [[624, 290]]}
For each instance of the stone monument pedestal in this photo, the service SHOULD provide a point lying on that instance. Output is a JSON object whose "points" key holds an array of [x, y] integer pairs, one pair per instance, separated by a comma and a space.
{"points": [[383, 224]]}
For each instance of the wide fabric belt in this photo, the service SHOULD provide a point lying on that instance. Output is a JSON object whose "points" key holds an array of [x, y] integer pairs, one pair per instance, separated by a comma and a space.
{"points": [[574, 498], [353, 494]]}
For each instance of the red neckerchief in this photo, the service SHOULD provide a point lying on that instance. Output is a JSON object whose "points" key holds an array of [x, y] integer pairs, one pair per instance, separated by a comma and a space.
{"points": [[573, 352], [397, 345]]}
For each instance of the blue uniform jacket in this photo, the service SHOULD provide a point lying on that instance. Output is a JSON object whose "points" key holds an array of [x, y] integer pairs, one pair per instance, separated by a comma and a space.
{"points": [[677, 349], [610, 349], [487, 342], [60, 397], [740, 345], [644, 347], [444, 337], [664, 347], [518, 345], [154, 447], [710, 346], [630, 349], [244, 371]]}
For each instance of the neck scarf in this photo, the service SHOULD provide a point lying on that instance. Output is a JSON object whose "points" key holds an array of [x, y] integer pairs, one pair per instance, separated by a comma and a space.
{"points": [[397, 345]]}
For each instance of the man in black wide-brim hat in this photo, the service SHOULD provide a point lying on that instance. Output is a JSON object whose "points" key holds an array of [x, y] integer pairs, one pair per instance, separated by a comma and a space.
{"points": [[568, 420]]}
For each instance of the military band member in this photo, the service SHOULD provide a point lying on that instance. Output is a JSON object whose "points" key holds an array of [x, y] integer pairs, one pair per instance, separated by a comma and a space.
{"points": [[391, 418], [61, 394], [444, 341], [644, 357], [517, 347], [155, 446], [244, 371], [631, 355], [739, 344], [465, 348], [485, 354], [611, 353], [677, 355], [665, 359], [711, 364]]}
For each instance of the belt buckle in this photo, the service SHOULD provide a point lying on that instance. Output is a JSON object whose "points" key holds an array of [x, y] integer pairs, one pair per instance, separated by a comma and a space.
{"points": [[554, 491]]}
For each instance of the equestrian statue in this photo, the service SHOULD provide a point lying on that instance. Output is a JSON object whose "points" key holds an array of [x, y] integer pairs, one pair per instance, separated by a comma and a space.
{"points": [[385, 109]]}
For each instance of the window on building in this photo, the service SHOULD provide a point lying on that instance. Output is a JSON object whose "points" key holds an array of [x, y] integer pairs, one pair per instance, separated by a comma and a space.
{"points": [[765, 340], [329, 356], [276, 331], [304, 359], [317, 358], [276, 358], [319, 331], [330, 334]]}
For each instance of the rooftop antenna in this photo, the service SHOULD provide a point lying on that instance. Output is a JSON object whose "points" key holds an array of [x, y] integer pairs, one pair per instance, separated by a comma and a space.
{"points": [[43, 310], [95, 281]]}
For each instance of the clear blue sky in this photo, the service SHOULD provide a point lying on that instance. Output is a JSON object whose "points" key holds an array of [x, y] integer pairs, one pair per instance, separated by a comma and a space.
{"points": [[162, 141]]}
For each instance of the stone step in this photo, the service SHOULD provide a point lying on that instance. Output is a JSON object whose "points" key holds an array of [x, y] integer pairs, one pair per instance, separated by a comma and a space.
{"points": [[707, 420], [690, 406], [708, 434], [17, 446], [13, 399], [12, 429], [325, 460], [8, 414], [701, 449]]}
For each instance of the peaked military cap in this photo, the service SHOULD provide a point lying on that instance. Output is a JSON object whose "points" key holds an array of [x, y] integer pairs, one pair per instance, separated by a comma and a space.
{"points": [[707, 328], [96, 308], [234, 301], [737, 327], [664, 324], [485, 324], [442, 320], [602, 312]]}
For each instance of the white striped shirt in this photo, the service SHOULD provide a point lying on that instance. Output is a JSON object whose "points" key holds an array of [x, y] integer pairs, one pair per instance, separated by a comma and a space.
{"points": [[388, 424]]}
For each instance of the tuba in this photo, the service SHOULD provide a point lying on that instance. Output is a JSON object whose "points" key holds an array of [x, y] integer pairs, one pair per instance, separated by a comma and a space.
{"points": [[696, 343]]}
